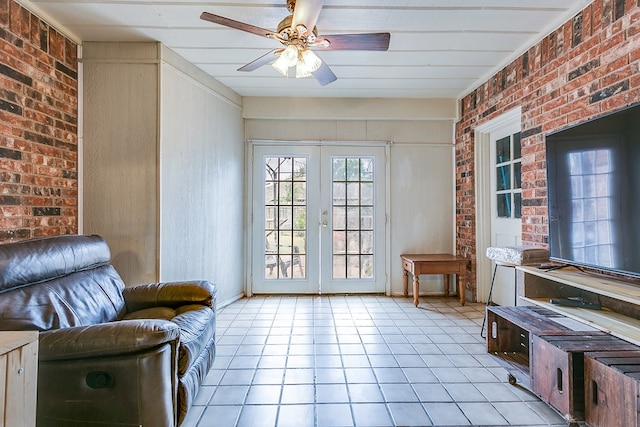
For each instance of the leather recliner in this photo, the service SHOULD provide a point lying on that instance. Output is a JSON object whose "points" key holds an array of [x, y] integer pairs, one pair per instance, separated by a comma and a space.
{"points": [[108, 354]]}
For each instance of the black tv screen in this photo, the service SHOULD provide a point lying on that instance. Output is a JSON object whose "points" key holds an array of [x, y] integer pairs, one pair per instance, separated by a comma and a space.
{"points": [[593, 189]]}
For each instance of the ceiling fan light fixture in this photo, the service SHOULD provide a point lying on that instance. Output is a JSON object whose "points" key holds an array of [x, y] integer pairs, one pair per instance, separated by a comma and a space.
{"points": [[308, 62], [280, 69], [287, 59], [302, 72]]}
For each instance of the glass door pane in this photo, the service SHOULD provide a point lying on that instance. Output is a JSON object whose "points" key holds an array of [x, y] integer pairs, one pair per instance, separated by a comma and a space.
{"points": [[285, 226], [508, 166], [285, 212], [353, 220], [353, 215]]}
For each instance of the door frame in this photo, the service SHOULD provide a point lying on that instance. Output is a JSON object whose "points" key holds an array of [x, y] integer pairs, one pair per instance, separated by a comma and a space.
{"points": [[249, 167], [482, 138]]}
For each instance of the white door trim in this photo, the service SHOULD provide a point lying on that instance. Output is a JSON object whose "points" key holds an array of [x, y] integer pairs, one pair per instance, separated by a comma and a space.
{"points": [[482, 135]]}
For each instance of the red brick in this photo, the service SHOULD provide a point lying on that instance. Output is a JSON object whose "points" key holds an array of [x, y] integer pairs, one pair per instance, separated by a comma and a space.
{"points": [[71, 54], [4, 13], [618, 75], [19, 19], [550, 101], [49, 108], [56, 45], [583, 113], [634, 81], [596, 16]]}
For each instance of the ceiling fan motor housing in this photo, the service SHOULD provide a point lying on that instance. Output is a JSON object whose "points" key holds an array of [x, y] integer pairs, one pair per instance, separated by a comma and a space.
{"points": [[288, 33]]}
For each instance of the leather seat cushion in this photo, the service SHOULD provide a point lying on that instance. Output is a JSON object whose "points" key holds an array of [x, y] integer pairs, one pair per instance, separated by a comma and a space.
{"points": [[197, 327]]}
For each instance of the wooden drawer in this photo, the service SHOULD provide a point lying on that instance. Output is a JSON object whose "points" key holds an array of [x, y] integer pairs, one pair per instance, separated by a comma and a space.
{"points": [[611, 388], [407, 265], [509, 327], [509, 331], [557, 367]]}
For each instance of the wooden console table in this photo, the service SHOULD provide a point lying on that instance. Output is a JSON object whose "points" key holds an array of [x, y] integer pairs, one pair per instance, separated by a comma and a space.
{"points": [[445, 264]]}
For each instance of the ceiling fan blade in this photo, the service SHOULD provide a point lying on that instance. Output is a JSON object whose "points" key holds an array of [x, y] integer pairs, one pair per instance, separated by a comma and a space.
{"points": [[324, 75], [227, 22], [259, 62], [306, 12], [371, 41]]}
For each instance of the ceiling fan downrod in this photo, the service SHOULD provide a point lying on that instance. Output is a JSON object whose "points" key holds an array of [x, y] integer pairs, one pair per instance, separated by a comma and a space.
{"points": [[291, 5]]}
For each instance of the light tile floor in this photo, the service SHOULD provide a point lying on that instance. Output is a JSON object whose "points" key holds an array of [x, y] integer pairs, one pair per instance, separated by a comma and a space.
{"points": [[358, 361]]}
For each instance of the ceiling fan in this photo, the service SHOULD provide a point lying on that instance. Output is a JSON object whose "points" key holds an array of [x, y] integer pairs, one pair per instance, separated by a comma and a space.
{"points": [[299, 36]]}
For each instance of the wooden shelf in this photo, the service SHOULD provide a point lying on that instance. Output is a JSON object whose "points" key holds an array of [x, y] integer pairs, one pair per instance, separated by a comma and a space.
{"points": [[619, 315], [606, 320], [598, 284]]}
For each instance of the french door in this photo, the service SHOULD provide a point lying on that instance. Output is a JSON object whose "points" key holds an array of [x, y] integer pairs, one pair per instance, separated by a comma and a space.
{"points": [[318, 215]]}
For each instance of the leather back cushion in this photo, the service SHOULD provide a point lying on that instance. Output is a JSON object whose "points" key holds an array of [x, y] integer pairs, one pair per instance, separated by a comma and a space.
{"points": [[32, 261], [58, 282]]}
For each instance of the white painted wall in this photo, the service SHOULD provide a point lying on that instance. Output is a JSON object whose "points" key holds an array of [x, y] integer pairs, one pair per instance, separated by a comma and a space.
{"points": [[422, 185], [201, 183], [120, 154], [164, 167]]}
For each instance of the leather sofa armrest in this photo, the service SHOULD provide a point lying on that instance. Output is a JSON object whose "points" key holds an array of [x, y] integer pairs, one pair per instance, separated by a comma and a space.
{"points": [[169, 294], [106, 339]]}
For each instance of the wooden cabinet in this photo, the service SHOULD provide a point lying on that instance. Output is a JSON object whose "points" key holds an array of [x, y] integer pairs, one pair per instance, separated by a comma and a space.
{"points": [[612, 387], [582, 359], [557, 368], [511, 331], [18, 378]]}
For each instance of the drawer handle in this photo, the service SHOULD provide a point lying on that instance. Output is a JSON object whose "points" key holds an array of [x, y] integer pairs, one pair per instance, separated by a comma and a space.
{"points": [[559, 379], [20, 371], [594, 392]]}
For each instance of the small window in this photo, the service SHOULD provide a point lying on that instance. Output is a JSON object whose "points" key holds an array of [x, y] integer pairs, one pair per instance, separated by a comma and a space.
{"points": [[509, 176]]}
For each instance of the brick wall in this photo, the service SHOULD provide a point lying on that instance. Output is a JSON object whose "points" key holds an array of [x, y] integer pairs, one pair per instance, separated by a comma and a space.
{"points": [[38, 127], [587, 67]]}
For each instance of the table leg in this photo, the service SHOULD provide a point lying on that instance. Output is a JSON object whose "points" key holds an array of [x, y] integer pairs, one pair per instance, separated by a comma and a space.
{"points": [[461, 287], [405, 282], [446, 285], [416, 289]]}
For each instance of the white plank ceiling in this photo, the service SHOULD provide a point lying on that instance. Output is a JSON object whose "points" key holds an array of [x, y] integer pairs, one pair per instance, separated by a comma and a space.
{"points": [[438, 48]]}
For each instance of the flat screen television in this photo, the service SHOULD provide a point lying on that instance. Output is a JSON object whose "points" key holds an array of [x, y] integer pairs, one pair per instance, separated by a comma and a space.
{"points": [[593, 189]]}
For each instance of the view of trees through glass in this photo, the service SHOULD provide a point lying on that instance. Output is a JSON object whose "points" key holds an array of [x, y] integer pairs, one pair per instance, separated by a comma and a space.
{"points": [[352, 221], [285, 217]]}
